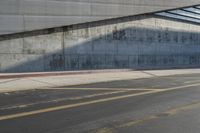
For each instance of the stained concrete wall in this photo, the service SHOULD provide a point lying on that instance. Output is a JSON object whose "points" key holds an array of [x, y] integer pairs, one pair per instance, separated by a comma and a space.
{"points": [[142, 42], [25, 15]]}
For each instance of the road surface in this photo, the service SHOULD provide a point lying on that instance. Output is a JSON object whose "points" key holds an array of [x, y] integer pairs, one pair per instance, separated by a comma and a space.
{"points": [[167, 104]]}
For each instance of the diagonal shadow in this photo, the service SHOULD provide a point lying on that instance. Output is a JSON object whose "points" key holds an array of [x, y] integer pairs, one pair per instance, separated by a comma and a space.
{"points": [[134, 47]]}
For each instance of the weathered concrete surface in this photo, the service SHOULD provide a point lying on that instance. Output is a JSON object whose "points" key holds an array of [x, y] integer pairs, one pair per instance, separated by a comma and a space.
{"points": [[28, 52], [26, 15], [52, 82], [142, 42]]}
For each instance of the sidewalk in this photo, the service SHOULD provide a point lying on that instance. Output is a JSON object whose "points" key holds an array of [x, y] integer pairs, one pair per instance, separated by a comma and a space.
{"points": [[58, 73], [27, 81]]}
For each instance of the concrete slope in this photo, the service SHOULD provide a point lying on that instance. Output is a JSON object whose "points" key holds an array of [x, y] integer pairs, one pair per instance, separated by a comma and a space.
{"points": [[25, 15]]}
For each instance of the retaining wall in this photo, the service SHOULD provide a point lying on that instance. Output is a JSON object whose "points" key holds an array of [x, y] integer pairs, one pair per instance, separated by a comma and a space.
{"points": [[140, 42]]}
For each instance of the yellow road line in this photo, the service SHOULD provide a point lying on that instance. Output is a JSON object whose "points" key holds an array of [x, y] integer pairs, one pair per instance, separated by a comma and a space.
{"points": [[6, 117], [170, 112], [12, 116], [114, 91], [132, 123], [180, 87], [107, 89], [63, 99], [193, 81]]}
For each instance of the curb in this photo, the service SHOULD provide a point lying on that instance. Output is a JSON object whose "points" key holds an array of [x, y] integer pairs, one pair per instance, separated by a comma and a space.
{"points": [[46, 74]]}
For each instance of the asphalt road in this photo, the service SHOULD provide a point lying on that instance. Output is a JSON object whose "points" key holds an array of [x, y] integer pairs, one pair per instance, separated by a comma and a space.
{"points": [[153, 105]]}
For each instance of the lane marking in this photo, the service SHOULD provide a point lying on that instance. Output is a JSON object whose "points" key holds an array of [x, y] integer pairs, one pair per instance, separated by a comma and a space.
{"points": [[193, 81], [6, 117], [62, 99], [105, 130], [180, 87], [12, 116], [168, 113], [115, 91], [8, 81], [107, 89]]}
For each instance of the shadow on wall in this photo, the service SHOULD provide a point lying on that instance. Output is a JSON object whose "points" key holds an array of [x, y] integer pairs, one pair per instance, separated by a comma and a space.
{"points": [[110, 47]]}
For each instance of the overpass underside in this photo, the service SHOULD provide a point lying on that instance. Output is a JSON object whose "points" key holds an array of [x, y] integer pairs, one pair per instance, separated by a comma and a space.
{"points": [[148, 41]]}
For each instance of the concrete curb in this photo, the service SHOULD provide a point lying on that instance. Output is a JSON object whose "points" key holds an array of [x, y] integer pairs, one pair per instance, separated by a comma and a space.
{"points": [[51, 80], [60, 73]]}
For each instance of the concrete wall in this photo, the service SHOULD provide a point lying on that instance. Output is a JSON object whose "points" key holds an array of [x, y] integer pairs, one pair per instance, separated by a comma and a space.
{"points": [[25, 15], [141, 42]]}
